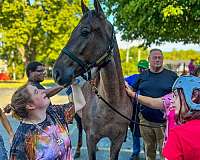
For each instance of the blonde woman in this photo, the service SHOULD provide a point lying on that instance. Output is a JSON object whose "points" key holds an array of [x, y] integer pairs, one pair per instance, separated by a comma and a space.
{"points": [[43, 131]]}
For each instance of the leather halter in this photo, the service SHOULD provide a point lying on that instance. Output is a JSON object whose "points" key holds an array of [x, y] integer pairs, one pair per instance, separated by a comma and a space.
{"points": [[86, 67]]}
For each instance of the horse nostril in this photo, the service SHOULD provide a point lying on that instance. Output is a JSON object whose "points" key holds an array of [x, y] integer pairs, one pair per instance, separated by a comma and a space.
{"points": [[57, 75]]}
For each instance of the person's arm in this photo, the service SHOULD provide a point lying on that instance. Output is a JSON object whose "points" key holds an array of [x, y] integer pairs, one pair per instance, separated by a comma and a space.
{"points": [[6, 124], [155, 103], [53, 91], [70, 109], [78, 98]]}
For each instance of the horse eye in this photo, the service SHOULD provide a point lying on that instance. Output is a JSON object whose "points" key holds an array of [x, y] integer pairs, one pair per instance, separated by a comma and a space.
{"points": [[85, 32]]}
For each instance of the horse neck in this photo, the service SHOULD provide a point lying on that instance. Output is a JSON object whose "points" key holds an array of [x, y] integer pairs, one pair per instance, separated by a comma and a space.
{"points": [[111, 78]]}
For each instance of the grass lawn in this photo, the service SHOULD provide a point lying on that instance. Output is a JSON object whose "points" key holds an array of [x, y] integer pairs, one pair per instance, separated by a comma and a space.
{"points": [[18, 83]]}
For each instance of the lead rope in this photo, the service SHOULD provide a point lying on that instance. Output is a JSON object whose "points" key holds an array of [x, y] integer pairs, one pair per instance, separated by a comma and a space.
{"points": [[110, 106], [136, 112]]}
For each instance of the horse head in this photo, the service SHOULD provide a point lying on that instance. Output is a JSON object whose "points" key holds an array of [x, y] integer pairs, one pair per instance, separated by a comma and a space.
{"points": [[89, 46]]}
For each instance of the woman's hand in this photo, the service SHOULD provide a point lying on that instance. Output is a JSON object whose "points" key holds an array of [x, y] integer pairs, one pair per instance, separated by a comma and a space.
{"points": [[78, 98], [11, 138]]}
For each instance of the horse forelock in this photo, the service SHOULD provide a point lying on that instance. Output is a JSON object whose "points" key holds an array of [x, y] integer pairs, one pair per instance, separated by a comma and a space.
{"points": [[88, 16]]}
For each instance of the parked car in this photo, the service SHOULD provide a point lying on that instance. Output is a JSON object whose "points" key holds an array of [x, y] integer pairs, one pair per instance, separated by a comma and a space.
{"points": [[4, 76]]}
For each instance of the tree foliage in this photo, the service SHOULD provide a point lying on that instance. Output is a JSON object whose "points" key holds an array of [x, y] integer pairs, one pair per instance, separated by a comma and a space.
{"points": [[36, 30], [130, 58], [157, 21]]}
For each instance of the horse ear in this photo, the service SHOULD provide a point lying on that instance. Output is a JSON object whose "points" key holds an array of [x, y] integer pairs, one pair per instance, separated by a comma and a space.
{"points": [[84, 7], [98, 8]]}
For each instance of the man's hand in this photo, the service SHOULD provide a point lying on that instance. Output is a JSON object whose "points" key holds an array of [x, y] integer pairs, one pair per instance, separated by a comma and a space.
{"points": [[53, 91], [129, 90]]}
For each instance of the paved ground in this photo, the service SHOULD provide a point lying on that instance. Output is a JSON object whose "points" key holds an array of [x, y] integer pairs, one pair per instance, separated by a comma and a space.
{"points": [[103, 145]]}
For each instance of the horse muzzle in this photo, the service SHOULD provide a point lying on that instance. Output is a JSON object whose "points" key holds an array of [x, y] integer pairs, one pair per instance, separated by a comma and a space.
{"points": [[63, 77]]}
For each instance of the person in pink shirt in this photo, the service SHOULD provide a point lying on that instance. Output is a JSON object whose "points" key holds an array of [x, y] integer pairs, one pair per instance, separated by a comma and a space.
{"points": [[182, 111], [183, 141]]}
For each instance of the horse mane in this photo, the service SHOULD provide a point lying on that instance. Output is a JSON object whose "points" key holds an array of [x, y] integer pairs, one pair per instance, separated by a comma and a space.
{"points": [[116, 55]]}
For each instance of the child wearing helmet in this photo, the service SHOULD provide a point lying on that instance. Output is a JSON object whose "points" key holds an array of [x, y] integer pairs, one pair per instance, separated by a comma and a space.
{"points": [[183, 141], [182, 111]]}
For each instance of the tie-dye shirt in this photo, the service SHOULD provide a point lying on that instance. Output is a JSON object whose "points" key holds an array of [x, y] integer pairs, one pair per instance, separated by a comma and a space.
{"points": [[48, 140]]}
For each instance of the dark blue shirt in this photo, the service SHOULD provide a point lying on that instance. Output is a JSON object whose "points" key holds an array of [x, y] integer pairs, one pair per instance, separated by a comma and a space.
{"points": [[154, 85]]}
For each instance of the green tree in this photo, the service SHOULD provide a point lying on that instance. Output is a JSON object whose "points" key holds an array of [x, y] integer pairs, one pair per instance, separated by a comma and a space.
{"points": [[182, 55], [37, 30], [130, 58], [156, 21]]}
